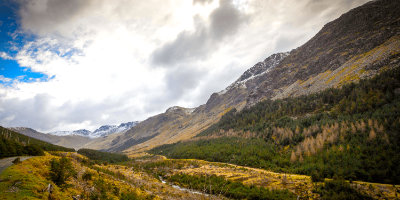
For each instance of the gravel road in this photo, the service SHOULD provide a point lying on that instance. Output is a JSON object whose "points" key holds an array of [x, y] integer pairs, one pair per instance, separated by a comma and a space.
{"points": [[6, 162]]}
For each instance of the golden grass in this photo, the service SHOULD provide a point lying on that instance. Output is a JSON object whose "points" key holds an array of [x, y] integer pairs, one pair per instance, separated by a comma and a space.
{"points": [[301, 185], [30, 179]]}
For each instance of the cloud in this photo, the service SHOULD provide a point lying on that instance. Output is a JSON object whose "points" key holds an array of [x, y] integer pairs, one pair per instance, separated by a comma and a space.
{"points": [[4, 79], [50, 16], [202, 1], [182, 80], [225, 21], [105, 56], [5, 56], [190, 46]]}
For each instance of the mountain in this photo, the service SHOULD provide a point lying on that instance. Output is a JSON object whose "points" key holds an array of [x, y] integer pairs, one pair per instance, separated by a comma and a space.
{"points": [[100, 132], [78, 138], [330, 109], [256, 71], [357, 45], [110, 129], [350, 132], [15, 144], [178, 123], [81, 132], [70, 141]]}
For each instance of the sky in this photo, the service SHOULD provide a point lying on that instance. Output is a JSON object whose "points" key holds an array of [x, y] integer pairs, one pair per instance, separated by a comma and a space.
{"points": [[67, 65]]}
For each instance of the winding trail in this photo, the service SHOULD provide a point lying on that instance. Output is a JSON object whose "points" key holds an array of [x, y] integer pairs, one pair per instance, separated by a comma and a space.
{"points": [[6, 162]]}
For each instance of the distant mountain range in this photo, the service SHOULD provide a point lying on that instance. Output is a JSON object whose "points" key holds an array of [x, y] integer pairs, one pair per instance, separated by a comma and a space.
{"points": [[100, 132]]}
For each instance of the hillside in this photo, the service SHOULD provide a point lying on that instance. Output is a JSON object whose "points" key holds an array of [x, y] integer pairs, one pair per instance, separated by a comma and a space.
{"points": [[351, 132], [73, 176], [357, 45], [70, 141], [16, 144]]}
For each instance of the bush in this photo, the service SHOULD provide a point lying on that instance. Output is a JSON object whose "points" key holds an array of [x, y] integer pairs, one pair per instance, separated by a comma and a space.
{"points": [[339, 190], [87, 176], [317, 177], [33, 150], [61, 170], [16, 161], [129, 196], [218, 185], [106, 157]]}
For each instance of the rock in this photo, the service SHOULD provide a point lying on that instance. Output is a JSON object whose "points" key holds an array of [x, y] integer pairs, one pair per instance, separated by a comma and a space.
{"points": [[49, 188]]}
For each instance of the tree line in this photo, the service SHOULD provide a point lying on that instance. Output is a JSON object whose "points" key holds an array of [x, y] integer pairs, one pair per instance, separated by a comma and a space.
{"points": [[16, 144]]}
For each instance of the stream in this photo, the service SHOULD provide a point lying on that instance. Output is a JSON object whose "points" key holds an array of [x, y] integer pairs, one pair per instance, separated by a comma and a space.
{"points": [[182, 188]]}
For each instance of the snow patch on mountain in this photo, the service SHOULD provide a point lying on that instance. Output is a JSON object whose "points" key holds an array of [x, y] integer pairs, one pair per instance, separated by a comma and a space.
{"points": [[257, 70], [100, 132]]}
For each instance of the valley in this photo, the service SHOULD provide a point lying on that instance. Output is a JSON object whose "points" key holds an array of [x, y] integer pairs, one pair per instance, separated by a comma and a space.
{"points": [[321, 121], [155, 177]]}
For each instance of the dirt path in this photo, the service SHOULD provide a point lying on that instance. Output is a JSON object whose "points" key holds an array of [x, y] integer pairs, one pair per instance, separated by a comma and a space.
{"points": [[6, 162]]}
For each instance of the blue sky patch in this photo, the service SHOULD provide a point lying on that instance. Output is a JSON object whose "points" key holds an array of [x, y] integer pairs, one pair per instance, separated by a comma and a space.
{"points": [[10, 42]]}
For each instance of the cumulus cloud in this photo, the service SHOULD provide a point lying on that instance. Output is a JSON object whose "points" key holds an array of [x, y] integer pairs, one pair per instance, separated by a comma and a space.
{"points": [[103, 56]]}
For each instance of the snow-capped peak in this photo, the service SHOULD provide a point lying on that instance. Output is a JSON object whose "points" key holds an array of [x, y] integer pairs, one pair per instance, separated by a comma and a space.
{"points": [[100, 132]]}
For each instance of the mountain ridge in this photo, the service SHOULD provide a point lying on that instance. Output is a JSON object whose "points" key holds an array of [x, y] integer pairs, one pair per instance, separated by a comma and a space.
{"points": [[102, 131]]}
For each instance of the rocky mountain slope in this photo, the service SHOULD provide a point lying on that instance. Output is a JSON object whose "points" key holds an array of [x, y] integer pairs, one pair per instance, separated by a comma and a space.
{"points": [[356, 45], [359, 44]]}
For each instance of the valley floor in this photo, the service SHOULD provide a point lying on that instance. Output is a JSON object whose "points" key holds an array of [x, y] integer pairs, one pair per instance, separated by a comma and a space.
{"points": [[156, 177], [301, 185]]}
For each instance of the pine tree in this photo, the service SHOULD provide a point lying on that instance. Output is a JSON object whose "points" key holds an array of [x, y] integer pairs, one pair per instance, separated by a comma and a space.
{"points": [[293, 157], [372, 134]]}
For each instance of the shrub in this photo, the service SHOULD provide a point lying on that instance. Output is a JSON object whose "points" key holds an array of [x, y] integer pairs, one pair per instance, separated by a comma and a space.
{"points": [[87, 176], [129, 196], [317, 177], [16, 161], [61, 170], [339, 190], [106, 157], [33, 150]]}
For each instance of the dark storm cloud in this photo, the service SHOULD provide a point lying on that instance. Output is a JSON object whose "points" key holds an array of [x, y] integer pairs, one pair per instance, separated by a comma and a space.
{"points": [[206, 38]]}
